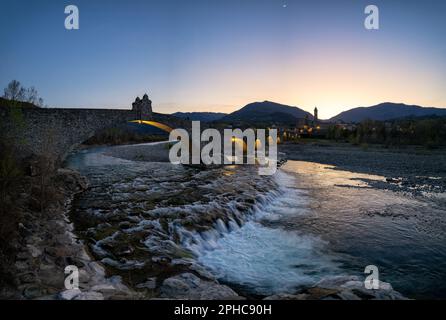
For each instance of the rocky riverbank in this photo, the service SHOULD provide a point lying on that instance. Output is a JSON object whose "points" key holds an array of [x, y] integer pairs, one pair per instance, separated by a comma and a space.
{"points": [[407, 169], [48, 244]]}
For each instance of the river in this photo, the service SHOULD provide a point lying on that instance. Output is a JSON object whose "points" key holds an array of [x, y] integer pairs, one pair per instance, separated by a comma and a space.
{"points": [[259, 235]]}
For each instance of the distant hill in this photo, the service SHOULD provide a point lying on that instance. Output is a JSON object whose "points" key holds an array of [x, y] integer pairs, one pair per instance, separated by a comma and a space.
{"points": [[267, 111], [200, 116], [8, 103], [387, 111]]}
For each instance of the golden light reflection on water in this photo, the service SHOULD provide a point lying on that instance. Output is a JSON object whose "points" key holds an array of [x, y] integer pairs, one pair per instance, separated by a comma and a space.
{"points": [[229, 170], [351, 195], [328, 175]]}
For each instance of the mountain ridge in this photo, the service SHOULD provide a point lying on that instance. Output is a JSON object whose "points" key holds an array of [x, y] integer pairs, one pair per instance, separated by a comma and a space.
{"points": [[387, 111], [273, 112], [267, 111]]}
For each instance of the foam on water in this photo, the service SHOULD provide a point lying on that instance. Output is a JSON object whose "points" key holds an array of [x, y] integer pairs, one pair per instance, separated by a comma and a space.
{"points": [[266, 260], [262, 259]]}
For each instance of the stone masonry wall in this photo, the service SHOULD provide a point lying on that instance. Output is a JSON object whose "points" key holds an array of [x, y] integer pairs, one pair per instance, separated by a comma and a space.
{"points": [[59, 130]]}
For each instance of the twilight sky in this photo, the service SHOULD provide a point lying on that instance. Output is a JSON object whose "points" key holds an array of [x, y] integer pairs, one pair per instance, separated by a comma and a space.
{"points": [[218, 55]]}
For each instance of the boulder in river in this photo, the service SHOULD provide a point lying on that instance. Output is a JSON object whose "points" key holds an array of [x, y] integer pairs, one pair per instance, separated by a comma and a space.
{"points": [[342, 288], [189, 286]]}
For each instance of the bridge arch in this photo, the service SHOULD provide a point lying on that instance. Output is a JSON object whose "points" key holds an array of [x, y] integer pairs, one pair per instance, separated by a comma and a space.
{"points": [[62, 129]]}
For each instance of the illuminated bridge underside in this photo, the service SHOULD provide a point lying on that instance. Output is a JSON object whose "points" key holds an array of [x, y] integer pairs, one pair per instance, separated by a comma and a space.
{"points": [[155, 124]]}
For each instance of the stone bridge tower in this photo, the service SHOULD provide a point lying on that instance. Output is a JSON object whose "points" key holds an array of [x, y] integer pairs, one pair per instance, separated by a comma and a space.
{"points": [[315, 117], [143, 108]]}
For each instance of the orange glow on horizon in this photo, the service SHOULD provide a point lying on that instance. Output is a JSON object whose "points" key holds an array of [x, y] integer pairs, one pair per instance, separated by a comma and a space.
{"points": [[335, 79]]}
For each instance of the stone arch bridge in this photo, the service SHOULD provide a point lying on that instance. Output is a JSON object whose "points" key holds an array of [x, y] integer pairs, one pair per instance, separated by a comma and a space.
{"points": [[41, 130]]}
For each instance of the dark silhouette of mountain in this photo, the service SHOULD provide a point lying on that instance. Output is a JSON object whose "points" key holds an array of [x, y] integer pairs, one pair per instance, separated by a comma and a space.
{"points": [[200, 116], [267, 111], [387, 111]]}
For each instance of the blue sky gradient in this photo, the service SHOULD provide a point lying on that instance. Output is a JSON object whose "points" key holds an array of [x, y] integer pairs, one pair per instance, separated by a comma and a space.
{"points": [[209, 55]]}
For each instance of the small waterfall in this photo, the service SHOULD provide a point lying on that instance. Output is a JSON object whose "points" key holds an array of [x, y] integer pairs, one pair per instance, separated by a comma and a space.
{"points": [[199, 242], [263, 260]]}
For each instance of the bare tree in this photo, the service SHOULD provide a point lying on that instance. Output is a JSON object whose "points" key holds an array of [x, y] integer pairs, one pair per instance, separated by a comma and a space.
{"points": [[14, 91], [32, 96]]}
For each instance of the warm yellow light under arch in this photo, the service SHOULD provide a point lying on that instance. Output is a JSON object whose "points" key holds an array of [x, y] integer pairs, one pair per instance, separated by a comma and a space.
{"points": [[155, 124]]}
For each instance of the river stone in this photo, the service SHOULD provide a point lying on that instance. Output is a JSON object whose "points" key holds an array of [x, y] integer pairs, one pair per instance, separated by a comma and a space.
{"points": [[348, 295], [33, 291], [29, 277], [72, 180], [149, 284], [96, 269], [84, 276], [104, 288], [22, 265], [352, 288], [34, 251], [189, 286], [125, 225], [202, 272], [116, 281], [335, 282], [90, 295], [285, 296], [342, 288], [22, 256], [69, 294]]}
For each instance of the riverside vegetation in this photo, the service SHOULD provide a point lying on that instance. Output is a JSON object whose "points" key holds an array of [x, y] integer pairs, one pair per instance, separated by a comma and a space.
{"points": [[429, 132]]}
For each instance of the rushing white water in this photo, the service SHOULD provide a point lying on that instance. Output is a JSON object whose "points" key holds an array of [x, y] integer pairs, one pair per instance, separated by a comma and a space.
{"points": [[264, 259], [267, 260]]}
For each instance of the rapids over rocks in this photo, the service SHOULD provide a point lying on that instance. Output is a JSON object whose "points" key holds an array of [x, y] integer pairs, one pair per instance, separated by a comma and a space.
{"points": [[258, 235]]}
